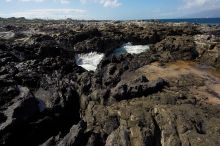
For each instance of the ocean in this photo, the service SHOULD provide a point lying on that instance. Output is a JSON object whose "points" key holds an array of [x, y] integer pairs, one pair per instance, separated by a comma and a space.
{"points": [[210, 21]]}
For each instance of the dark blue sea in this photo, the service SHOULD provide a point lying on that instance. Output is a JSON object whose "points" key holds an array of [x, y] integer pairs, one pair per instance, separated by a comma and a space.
{"points": [[211, 21]]}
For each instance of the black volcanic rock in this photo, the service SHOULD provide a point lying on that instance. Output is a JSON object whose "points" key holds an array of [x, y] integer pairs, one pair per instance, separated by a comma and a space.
{"points": [[177, 48], [158, 97], [74, 137], [137, 89], [21, 109], [101, 44]]}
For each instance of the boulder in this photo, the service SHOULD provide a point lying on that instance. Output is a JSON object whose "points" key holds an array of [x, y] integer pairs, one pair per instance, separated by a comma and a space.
{"points": [[137, 89]]}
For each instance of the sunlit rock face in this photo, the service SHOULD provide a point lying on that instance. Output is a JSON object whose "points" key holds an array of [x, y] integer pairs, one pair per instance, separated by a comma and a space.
{"points": [[131, 49], [89, 61], [7, 35]]}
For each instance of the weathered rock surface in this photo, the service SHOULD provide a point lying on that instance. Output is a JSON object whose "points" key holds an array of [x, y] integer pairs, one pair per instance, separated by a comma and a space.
{"points": [[166, 96], [177, 48]]}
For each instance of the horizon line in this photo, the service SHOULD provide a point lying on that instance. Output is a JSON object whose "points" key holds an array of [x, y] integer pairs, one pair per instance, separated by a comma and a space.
{"points": [[77, 19]]}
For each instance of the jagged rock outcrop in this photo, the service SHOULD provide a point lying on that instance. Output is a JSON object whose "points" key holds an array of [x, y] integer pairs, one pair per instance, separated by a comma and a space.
{"points": [[177, 48], [209, 49]]}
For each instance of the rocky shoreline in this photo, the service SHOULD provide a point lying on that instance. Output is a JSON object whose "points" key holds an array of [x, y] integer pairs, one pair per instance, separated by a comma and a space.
{"points": [[166, 96]]}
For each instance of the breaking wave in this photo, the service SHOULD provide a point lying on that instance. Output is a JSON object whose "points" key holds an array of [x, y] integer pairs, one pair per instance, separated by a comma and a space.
{"points": [[131, 49], [89, 61]]}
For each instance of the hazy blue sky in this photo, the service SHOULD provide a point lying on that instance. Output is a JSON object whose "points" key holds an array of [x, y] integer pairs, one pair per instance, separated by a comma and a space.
{"points": [[105, 9]]}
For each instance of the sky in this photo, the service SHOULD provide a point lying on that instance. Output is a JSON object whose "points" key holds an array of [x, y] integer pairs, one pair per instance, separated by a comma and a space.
{"points": [[106, 9]]}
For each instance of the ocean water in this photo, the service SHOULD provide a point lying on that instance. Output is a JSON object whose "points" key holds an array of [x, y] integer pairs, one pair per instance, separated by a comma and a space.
{"points": [[89, 61], [211, 21], [131, 49]]}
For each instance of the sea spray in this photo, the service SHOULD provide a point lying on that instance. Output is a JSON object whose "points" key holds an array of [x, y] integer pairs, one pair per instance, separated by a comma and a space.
{"points": [[89, 61], [131, 49]]}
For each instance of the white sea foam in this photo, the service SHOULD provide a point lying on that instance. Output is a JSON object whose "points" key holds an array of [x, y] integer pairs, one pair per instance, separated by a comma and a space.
{"points": [[89, 61], [131, 49]]}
